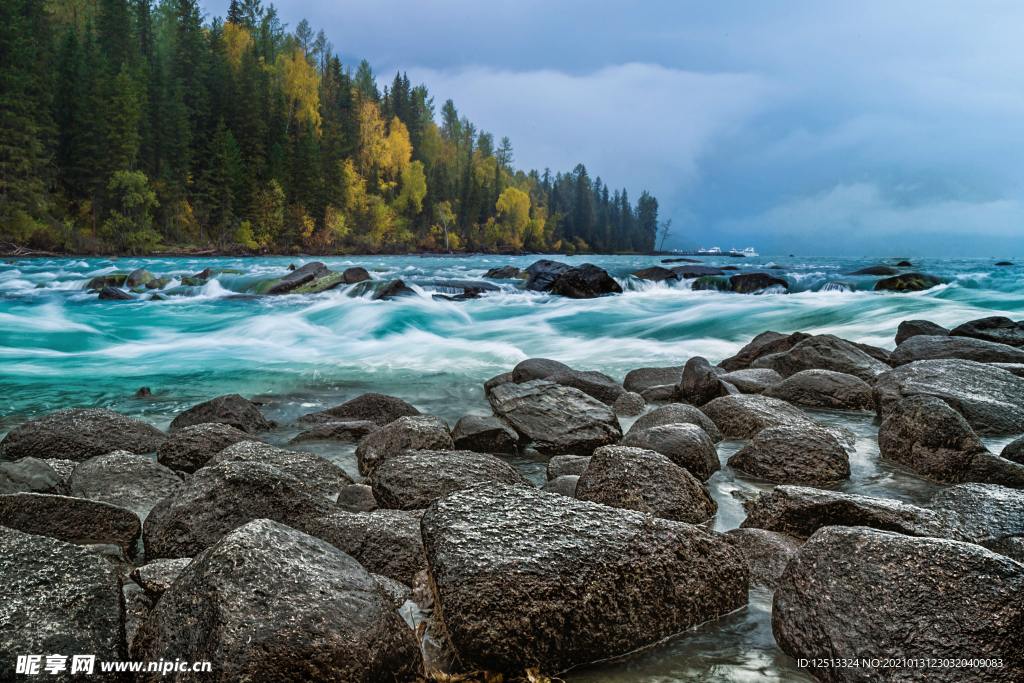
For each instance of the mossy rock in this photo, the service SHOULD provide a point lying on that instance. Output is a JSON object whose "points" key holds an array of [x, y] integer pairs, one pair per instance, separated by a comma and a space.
{"points": [[711, 283], [320, 284], [192, 282], [139, 277], [159, 283], [109, 280], [908, 282]]}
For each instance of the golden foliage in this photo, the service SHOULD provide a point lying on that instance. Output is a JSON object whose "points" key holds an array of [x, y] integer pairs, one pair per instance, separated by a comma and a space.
{"points": [[301, 89], [237, 42]]}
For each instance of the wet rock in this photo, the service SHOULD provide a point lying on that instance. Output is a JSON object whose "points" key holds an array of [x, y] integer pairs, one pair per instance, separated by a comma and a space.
{"points": [[136, 608], [645, 481], [111, 280], [744, 416], [1011, 546], [111, 294], [415, 479], [133, 482], [318, 612], [1012, 368], [377, 408], [661, 394], [143, 392], [876, 352], [298, 277], [686, 445], [508, 587], [748, 283], [74, 520], [563, 486], [319, 474], [57, 598], [542, 274], [700, 383], [824, 389], [924, 347], [585, 281], [808, 456], [752, 380], [536, 368], [800, 511], [907, 282], [504, 273], [395, 591], [386, 542], [218, 499], [357, 498], [564, 465], [393, 289], [62, 467], [594, 384], [423, 432], [656, 274], [914, 328], [355, 274], [30, 475], [137, 278], [232, 410], [1014, 451], [157, 576], [767, 553], [691, 272], [994, 329], [557, 419], [642, 379], [337, 431], [484, 435], [675, 414], [1004, 263], [190, 448], [75, 434], [968, 598], [990, 399], [629, 405], [875, 270], [497, 381], [988, 513], [764, 344], [204, 274], [824, 352]]}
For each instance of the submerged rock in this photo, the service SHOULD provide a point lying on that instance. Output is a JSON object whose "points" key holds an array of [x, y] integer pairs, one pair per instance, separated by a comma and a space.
{"points": [[687, 445], [824, 352], [76, 434], [994, 329], [585, 281], [677, 413], [484, 435], [767, 553], [190, 448], [112, 294], [423, 432], [319, 474], [337, 431], [824, 389], [386, 542], [914, 328], [521, 587], [692, 272], [232, 410], [908, 282], [378, 408], [926, 347], [74, 520], [31, 475], [875, 270], [133, 482], [642, 379], [802, 455]]}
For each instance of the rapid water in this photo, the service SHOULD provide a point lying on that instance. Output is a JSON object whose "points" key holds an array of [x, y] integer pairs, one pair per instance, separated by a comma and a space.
{"points": [[61, 347]]}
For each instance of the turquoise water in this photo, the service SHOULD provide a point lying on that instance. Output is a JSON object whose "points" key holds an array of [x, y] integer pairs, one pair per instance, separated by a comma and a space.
{"points": [[61, 347]]}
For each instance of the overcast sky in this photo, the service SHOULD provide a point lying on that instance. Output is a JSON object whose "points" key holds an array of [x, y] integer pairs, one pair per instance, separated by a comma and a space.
{"points": [[867, 128]]}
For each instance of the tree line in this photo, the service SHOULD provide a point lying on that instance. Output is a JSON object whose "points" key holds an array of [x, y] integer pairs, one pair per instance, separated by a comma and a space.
{"points": [[132, 126]]}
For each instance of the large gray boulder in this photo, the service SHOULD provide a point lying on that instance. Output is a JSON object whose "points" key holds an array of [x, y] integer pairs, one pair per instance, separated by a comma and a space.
{"points": [[536, 368], [190, 448], [990, 399], [823, 389], [824, 352], [629, 405], [932, 600], [317, 473], [677, 413], [484, 435], [767, 553], [57, 598], [642, 379], [913, 328], [423, 432], [134, 482], [995, 329], [31, 475], [988, 513], [686, 445], [378, 408], [73, 520], [319, 614], [386, 542], [924, 347], [700, 382], [218, 499], [508, 586], [415, 479], [802, 455], [645, 481], [752, 380], [231, 410], [594, 384], [557, 419], [800, 511], [743, 416], [77, 435], [764, 344]]}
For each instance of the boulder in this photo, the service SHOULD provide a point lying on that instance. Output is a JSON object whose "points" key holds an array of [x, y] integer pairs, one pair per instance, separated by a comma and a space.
{"points": [[218, 499], [423, 432], [564, 465], [1011, 546], [1012, 368], [794, 454], [397, 592], [73, 520], [678, 413], [110, 280], [190, 448], [1014, 451], [112, 294], [393, 289], [377, 408], [540, 580], [136, 608], [298, 277], [133, 482], [542, 274], [800, 511], [876, 352], [594, 384], [875, 270], [415, 479], [629, 405], [319, 614], [764, 344], [666, 393], [915, 328], [767, 553], [994, 329], [62, 467], [656, 274], [752, 380], [748, 283], [232, 410], [563, 486], [990, 399], [497, 381], [76, 434], [645, 481], [484, 435], [744, 416], [585, 281], [641, 379], [926, 347], [355, 274], [317, 473], [691, 272], [386, 542], [157, 576], [988, 513], [536, 368], [824, 389], [353, 431], [687, 445], [907, 282], [700, 383], [357, 498], [137, 278], [57, 598], [1004, 263], [31, 475], [504, 273], [824, 352], [935, 600], [557, 419]]}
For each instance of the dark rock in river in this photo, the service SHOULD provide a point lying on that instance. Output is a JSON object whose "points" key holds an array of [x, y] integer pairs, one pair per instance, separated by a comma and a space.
{"points": [[393, 289], [691, 272], [190, 448], [585, 281], [337, 431], [520, 586], [57, 598], [666, 393], [220, 498], [137, 278], [377, 408], [319, 614], [875, 270], [497, 381], [231, 410], [687, 445], [641, 379], [133, 482], [542, 274], [484, 435], [824, 389], [557, 419], [157, 576], [386, 542], [75, 434], [752, 380], [745, 415], [680, 260], [995, 329], [563, 486], [74, 520], [908, 282], [319, 474], [111, 280], [988, 513], [800, 511], [677, 413], [31, 475], [656, 274], [764, 344], [594, 384], [357, 498], [1004, 263], [300, 276], [802, 455], [423, 432], [143, 392], [1014, 451], [700, 382], [415, 479], [111, 294], [645, 481], [505, 273], [925, 347], [876, 352], [629, 404], [990, 399], [767, 553], [914, 328], [536, 368], [935, 600], [824, 352], [564, 465], [748, 283], [204, 274], [355, 274]]}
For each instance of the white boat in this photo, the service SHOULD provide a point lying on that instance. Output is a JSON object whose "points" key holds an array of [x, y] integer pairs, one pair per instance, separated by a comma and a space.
{"points": [[711, 251], [748, 252]]}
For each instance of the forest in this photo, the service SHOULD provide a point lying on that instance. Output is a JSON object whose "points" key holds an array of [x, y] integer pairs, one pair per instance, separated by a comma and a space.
{"points": [[133, 127]]}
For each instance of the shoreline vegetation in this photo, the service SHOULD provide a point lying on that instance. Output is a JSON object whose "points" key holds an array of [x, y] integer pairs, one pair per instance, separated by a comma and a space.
{"points": [[134, 127]]}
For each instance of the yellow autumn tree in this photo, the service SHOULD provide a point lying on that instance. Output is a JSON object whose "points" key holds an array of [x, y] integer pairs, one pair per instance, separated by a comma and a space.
{"points": [[236, 42], [513, 218], [373, 144], [301, 89], [414, 189], [397, 154]]}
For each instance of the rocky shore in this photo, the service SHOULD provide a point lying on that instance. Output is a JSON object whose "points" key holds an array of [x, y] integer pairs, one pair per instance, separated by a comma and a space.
{"points": [[439, 560]]}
